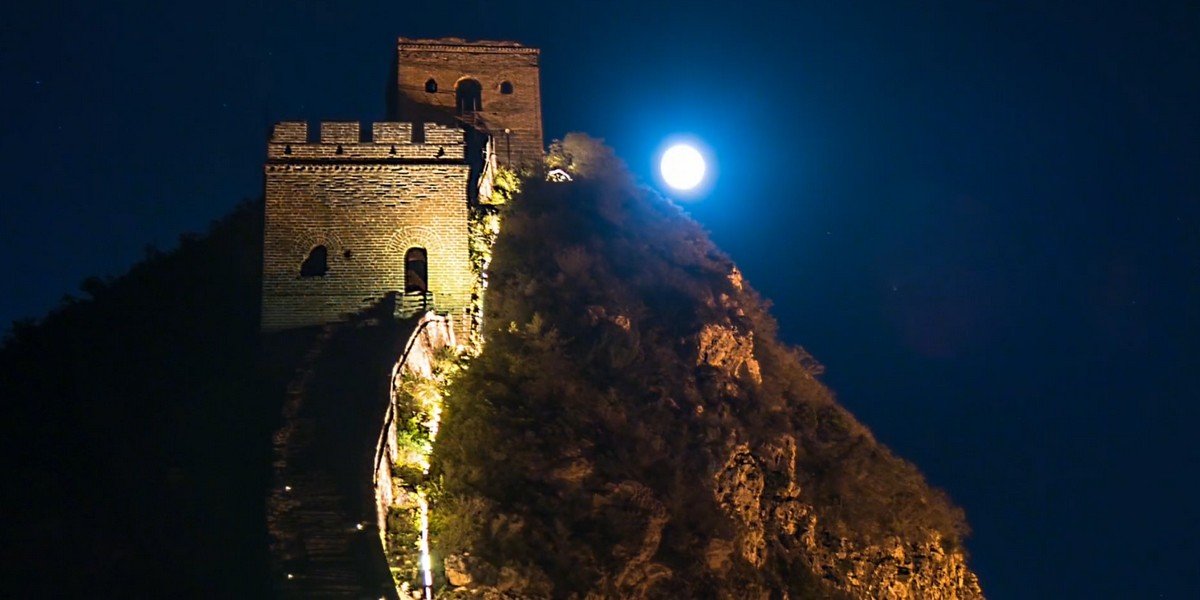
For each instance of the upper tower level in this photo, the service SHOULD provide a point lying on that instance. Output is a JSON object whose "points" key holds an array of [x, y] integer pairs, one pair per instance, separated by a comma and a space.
{"points": [[491, 85]]}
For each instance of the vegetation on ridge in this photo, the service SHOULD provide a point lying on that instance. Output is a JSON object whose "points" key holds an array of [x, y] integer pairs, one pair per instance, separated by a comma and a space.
{"points": [[586, 437]]}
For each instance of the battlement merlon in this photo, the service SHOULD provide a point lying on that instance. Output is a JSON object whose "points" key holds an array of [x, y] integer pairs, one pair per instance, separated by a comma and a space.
{"points": [[343, 141]]}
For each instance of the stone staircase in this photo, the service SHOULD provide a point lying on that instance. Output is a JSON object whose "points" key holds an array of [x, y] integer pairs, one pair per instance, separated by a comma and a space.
{"points": [[321, 508]]}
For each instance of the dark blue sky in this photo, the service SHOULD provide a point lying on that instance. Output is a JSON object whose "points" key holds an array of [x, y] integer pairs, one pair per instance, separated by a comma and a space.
{"points": [[983, 218]]}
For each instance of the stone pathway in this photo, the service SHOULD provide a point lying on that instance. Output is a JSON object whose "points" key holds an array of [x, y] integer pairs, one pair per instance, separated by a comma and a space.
{"points": [[321, 512]]}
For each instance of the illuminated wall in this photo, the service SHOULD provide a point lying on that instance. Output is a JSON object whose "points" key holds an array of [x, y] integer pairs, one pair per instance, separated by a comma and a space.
{"points": [[366, 198]]}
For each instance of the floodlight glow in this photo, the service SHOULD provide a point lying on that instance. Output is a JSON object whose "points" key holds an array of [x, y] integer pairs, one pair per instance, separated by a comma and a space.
{"points": [[682, 167]]}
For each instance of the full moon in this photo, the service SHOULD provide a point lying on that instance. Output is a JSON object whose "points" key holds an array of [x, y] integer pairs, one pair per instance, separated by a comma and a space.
{"points": [[682, 167]]}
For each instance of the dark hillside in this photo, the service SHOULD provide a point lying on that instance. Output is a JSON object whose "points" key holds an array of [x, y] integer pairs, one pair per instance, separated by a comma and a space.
{"points": [[634, 428], [136, 433]]}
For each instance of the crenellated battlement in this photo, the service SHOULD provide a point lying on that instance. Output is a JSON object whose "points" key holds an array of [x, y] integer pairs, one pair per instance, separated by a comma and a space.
{"points": [[347, 141]]}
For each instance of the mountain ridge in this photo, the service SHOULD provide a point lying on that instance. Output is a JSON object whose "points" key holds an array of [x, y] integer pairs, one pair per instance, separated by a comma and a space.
{"points": [[632, 427]]}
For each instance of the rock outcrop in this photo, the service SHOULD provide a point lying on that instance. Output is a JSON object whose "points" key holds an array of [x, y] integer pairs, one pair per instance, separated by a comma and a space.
{"points": [[893, 569]]}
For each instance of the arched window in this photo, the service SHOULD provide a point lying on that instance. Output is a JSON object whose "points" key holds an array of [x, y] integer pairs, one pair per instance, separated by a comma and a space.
{"points": [[317, 264], [468, 96], [431, 86], [416, 270], [506, 87]]}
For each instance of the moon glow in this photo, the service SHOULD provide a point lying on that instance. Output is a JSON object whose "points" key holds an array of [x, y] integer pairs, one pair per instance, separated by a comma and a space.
{"points": [[682, 167]]}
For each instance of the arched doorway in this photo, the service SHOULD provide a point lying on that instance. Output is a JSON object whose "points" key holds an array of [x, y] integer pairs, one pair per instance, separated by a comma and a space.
{"points": [[468, 96], [416, 271], [316, 264]]}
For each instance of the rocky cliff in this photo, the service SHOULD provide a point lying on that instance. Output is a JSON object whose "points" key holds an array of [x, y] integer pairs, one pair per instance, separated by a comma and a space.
{"points": [[634, 429]]}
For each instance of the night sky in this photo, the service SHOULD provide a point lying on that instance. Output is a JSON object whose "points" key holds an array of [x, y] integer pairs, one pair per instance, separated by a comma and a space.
{"points": [[983, 218]]}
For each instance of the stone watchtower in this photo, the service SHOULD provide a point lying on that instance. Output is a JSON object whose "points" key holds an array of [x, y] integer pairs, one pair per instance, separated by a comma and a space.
{"points": [[356, 215], [492, 86]]}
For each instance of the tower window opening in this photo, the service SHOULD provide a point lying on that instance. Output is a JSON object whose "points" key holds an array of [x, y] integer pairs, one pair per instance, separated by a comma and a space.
{"points": [[431, 86], [317, 263], [468, 96], [416, 270], [506, 87]]}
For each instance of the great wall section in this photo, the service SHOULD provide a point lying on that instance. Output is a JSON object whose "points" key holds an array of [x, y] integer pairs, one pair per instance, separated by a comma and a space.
{"points": [[375, 248], [333, 485]]}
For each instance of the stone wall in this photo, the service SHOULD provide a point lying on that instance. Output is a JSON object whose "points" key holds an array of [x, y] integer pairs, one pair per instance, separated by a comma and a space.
{"points": [[367, 201], [369, 194], [448, 62], [431, 335]]}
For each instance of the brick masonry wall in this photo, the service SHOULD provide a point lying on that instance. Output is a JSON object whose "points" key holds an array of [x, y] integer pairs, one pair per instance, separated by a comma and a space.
{"points": [[367, 212], [490, 63], [341, 141]]}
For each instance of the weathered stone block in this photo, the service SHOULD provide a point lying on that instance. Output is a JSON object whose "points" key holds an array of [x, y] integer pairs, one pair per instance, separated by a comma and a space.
{"points": [[290, 132], [339, 132], [391, 133]]}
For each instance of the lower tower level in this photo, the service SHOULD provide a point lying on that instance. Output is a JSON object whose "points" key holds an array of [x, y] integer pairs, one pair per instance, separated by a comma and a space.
{"points": [[356, 218]]}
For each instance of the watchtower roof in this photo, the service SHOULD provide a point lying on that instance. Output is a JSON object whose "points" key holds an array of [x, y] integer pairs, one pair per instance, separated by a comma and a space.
{"points": [[457, 44]]}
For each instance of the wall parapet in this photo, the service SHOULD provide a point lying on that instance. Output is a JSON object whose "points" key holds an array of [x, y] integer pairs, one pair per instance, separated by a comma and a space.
{"points": [[345, 141], [453, 44]]}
